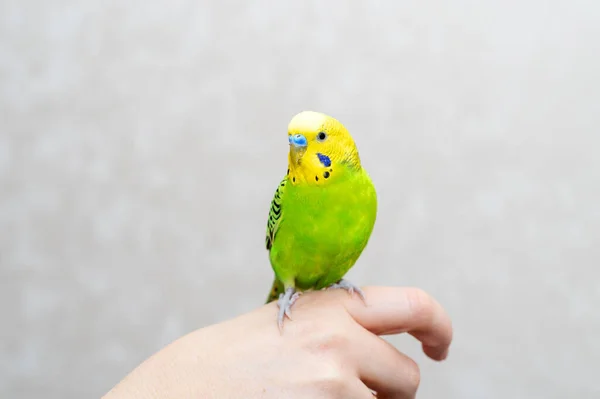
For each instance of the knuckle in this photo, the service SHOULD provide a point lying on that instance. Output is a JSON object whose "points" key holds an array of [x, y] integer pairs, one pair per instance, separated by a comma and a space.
{"points": [[334, 340], [420, 305], [329, 341], [332, 379]]}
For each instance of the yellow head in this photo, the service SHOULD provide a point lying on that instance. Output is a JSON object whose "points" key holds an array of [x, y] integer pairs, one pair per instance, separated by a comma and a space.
{"points": [[321, 149]]}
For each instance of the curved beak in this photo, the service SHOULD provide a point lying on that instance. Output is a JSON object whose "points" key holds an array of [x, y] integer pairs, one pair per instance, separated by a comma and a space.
{"points": [[298, 145]]}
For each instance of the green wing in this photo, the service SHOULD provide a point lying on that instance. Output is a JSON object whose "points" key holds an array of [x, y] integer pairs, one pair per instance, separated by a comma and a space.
{"points": [[275, 213]]}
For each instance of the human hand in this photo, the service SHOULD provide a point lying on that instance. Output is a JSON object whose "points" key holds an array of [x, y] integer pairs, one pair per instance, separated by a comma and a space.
{"points": [[331, 349]]}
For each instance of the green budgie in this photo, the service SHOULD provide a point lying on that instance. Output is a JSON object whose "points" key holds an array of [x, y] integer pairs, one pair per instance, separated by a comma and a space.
{"points": [[322, 214]]}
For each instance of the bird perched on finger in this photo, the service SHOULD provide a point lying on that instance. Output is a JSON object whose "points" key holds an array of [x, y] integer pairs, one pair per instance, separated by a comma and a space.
{"points": [[322, 213]]}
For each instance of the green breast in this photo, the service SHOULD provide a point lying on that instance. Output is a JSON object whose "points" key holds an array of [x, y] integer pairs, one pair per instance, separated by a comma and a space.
{"points": [[323, 230]]}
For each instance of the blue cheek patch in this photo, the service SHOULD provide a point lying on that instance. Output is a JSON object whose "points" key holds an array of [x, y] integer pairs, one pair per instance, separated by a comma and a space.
{"points": [[324, 159]]}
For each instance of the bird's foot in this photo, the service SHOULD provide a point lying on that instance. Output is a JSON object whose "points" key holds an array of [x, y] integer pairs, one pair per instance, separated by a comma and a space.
{"points": [[348, 286], [285, 303]]}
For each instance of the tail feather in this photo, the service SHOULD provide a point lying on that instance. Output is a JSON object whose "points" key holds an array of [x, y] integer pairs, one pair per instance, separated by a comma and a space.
{"points": [[276, 290]]}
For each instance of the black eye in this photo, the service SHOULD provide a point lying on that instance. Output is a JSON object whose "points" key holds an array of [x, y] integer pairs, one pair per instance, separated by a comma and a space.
{"points": [[321, 136]]}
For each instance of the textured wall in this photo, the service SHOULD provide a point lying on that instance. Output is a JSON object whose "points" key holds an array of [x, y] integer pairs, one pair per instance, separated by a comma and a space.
{"points": [[141, 142]]}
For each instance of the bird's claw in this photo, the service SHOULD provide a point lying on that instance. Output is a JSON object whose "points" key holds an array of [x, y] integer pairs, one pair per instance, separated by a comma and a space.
{"points": [[348, 286], [285, 303]]}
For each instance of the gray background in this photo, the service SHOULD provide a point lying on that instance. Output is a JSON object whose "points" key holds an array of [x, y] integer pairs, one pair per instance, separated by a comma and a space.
{"points": [[141, 143]]}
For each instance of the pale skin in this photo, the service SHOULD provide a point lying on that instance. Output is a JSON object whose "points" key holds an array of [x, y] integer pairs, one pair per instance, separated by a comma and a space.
{"points": [[331, 349]]}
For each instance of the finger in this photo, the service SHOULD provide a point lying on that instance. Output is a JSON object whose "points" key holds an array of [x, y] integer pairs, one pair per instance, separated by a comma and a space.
{"points": [[392, 310], [383, 368]]}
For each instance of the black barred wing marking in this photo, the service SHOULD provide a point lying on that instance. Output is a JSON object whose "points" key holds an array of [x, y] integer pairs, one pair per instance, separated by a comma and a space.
{"points": [[275, 214]]}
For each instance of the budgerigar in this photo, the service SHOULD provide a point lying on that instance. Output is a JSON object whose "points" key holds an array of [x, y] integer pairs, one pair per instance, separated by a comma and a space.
{"points": [[322, 214]]}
